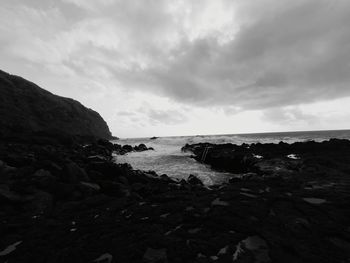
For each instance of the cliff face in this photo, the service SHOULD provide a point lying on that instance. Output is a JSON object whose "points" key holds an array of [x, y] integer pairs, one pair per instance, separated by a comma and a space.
{"points": [[27, 108]]}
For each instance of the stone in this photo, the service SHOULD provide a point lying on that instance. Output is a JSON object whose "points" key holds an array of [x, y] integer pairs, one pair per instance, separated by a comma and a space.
{"points": [[72, 173], [141, 147], [10, 249], [193, 180], [44, 179], [104, 258], [88, 188], [42, 203], [114, 189], [155, 255]]}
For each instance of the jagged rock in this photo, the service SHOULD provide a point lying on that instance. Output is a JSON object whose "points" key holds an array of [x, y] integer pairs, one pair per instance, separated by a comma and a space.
{"points": [[194, 180]]}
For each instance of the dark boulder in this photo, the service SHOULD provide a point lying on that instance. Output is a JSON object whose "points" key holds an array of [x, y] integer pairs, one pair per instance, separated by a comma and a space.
{"points": [[194, 180], [127, 148], [72, 173], [141, 148]]}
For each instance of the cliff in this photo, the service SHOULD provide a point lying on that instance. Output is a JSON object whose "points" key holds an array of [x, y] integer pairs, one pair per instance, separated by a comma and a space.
{"points": [[26, 108]]}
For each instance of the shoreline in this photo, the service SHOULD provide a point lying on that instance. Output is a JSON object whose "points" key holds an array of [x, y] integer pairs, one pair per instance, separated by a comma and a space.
{"points": [[72, 203]]}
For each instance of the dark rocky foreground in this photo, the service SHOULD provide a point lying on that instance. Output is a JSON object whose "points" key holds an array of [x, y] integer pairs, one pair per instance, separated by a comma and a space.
{"points": [[67, 201]]}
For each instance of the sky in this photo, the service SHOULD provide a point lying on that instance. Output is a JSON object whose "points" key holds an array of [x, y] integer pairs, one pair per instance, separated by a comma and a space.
{"points": [[187, 67]]}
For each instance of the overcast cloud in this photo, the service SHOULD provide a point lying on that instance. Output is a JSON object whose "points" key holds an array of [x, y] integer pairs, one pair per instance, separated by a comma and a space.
{"points": [[269, 59]]}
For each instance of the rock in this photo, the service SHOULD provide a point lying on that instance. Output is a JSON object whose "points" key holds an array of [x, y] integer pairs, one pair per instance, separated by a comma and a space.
{"points": [[63, 191], [27, 108], [155, 255], [127, 148], [141, 148], [6, 171], [9, 196], [104, 258], [72, 173], [44, 179], [41, 203], [89, 188], [193, 180], [4, 168], [252, 246], [10, 249], [114, 189]]}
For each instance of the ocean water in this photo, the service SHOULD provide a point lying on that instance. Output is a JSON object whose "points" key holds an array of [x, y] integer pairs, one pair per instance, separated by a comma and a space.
{"points": [[167, 157]]}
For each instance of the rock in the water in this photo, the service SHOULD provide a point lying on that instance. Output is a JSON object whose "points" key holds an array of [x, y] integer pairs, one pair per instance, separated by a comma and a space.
{"points": [[194, 180], [141, 148]]}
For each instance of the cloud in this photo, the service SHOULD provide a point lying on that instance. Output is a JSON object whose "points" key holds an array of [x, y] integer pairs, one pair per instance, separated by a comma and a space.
{"points": [[296, 55], [167, 117], [290, 116], [91, 5], [234, 56]]}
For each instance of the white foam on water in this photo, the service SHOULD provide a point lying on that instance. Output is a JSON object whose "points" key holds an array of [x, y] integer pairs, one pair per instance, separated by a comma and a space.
{"points": [[293, 156]]}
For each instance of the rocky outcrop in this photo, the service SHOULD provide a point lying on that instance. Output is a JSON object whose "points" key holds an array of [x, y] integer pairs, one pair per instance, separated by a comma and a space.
{"points": [[25, 108], [302, 160]]}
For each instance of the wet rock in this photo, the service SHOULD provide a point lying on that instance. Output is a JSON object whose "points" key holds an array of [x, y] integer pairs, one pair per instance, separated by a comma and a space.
{"points": [[127, 148], [141, 148], [193, 180]]}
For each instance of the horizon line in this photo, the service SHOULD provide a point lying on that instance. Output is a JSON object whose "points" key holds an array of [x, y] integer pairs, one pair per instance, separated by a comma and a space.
{"points": [[246, 133]]}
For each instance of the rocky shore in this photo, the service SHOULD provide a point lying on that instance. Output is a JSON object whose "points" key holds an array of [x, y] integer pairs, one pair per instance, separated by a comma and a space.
{"points": [[68, 201]]}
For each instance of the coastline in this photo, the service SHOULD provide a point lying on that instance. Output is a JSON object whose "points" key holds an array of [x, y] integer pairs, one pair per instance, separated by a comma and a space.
{"points": [[71, 203]]}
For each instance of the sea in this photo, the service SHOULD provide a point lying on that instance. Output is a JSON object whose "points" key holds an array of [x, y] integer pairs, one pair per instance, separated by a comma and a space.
{"points": [[167, 157]]}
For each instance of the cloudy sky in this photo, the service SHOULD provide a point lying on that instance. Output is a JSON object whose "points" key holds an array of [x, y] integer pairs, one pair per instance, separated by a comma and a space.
{"points": [[172, 67]]}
